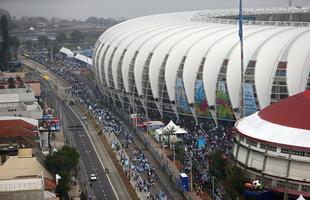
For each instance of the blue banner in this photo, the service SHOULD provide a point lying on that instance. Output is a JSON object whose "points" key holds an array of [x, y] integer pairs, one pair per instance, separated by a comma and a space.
{"points": [[181, 99], [249, 99]]}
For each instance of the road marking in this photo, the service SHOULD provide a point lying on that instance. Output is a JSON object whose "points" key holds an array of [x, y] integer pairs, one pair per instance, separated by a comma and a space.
{"points": [[95, 150]]}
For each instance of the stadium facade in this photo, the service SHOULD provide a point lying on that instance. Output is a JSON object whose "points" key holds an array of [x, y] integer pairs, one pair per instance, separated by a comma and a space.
{"points": [[275, 148], [188, 63]]}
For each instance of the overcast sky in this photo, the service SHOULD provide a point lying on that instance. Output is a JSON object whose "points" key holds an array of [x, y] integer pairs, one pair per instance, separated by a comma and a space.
{"points": [[81, 9]]}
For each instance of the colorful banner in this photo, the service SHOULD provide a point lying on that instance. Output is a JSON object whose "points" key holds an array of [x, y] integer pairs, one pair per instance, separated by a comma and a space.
{"points": [[201, 104], [223, 107], [181, 99], [249, 100]]}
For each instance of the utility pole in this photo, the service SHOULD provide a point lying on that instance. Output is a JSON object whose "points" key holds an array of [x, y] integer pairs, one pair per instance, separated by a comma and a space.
{"points": [[290, 3], [241, 107]]}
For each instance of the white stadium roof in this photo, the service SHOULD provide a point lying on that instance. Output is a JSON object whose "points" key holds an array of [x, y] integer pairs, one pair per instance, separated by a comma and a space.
{"points": [[189, 37]]}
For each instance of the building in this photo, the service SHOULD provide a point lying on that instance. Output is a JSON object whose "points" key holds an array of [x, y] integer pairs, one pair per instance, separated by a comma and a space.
{"points": [[273, 145], [188, 63], [20, 102], [24, 177]]}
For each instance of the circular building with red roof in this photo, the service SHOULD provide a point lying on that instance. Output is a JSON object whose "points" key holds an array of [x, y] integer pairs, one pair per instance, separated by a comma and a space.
{"points": [[273, 145]]}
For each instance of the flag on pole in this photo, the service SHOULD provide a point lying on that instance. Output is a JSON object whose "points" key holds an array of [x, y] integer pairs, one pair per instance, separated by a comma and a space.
{"points": [[240, 21]]}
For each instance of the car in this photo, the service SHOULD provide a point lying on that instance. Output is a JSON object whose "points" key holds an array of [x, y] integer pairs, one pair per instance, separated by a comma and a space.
{"points": [[84, 118], [93, 177]]}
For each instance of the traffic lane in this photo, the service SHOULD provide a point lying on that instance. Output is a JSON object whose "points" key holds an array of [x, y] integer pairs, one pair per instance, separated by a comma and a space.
{"points": [[101, 188]]}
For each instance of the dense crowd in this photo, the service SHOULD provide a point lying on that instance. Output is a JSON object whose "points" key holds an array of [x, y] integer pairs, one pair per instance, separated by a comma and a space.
{"points": [[137, 168], [214, 136]]}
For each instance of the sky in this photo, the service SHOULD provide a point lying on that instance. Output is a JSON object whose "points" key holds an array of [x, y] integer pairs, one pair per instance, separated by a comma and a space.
{"points": [[82, 9]]}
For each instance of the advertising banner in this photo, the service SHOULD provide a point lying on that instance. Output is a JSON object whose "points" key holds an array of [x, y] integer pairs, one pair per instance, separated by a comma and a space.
{"points": [[223, 107], [249, 100], [181, 99], [201, 104]]}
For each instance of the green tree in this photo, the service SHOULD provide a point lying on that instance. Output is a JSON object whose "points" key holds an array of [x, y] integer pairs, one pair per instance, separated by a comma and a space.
{"points": [[61, 37], [63, 160], [77, 36], [5, 54], [218, 163], [43, 41], [234, 181], [169, 132], [14, 43]]}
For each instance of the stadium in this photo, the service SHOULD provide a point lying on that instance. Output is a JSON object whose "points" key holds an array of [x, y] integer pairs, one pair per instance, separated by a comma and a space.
{"points": [[275, 148], [188, 64]]}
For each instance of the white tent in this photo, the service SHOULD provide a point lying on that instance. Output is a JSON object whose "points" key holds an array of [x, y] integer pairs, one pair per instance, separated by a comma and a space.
{"points": [[301, 197], [170, 125], [67, 51], [83, 58]]}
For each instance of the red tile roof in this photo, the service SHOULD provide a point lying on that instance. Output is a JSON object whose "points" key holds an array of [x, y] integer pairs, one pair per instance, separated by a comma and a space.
{"points": [[11, 131], [16, 123]]}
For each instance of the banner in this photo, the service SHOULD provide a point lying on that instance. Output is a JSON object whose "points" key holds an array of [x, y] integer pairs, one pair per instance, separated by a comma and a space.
{"points": [[181, 99], [249, 100], [223, 107], [201, 104]]}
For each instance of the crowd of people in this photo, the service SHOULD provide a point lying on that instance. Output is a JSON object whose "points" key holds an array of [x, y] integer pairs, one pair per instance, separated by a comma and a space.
{"points": [[136, 167], [214, 136]]}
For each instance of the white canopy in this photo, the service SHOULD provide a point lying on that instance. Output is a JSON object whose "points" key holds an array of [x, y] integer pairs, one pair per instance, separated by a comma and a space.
{"points": [[67, 51], [84, 59], [178, 129], [301, 197]]}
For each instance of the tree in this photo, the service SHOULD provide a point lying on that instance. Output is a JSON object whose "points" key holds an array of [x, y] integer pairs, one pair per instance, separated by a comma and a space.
{"points": [[77, 36], [61, 37], [14, 43], [63, 160], [169, 132], [43, 41], [218, 163], [234, 181], [5, 54]]}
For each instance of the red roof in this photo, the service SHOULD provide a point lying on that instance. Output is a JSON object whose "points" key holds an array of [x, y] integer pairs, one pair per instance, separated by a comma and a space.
{"points": [[16, 123], [50, 184], [292, 112], [16, 131]]}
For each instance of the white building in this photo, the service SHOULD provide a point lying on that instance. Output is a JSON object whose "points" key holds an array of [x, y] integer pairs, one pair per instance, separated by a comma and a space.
{"points": [[188, 63], [274, 145], [20, 102]]}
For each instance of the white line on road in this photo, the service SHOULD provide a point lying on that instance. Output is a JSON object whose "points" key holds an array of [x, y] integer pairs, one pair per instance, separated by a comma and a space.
{"points": [[95, 151]]}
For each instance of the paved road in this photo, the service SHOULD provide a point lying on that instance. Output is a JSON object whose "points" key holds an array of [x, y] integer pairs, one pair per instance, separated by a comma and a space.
{"points": [[101, 188], [88, 146]]}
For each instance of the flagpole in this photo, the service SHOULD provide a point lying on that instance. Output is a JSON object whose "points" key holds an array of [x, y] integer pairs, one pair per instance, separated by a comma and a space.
{"points": [[241, 108]]}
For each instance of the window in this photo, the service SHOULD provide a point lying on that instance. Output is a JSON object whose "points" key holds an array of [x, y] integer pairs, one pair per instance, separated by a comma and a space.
{"points": [[305, 188], [281, 184], [251, 142], [292, 186]]}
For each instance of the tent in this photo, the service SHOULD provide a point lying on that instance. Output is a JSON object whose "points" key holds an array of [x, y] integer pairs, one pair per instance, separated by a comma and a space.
{"points": [[169, 126], [301, 197], [67, 52], [84, 59]]}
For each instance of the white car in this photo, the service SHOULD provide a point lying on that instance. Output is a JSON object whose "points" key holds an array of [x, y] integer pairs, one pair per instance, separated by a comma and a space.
{"points": [[93, 177], [84, 118]]}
